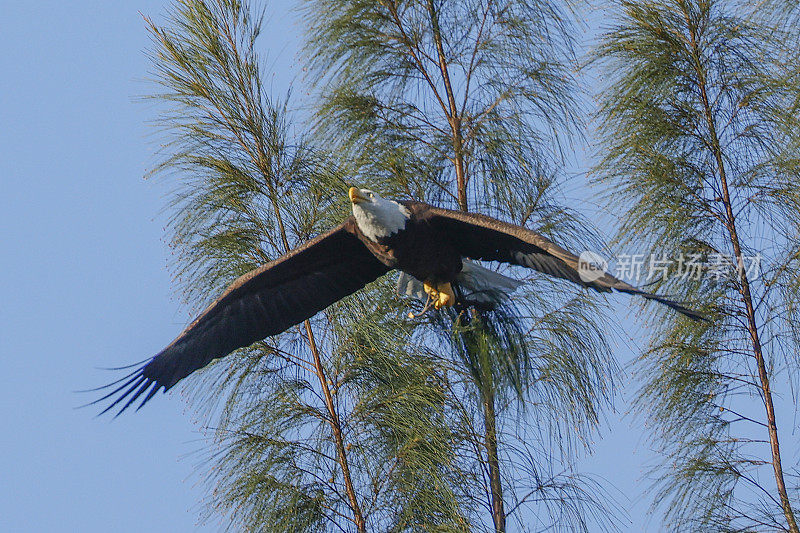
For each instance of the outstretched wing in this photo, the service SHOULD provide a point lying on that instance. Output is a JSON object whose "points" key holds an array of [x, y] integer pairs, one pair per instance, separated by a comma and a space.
{"points": [[263, 302], [481, 237]]}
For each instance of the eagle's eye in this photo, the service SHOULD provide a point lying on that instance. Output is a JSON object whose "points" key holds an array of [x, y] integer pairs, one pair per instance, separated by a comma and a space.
{"points": [[372, 196]]}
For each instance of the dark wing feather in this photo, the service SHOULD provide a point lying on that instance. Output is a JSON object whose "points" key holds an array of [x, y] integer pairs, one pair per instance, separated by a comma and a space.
{"points": [[263, 302], [481, 237]]}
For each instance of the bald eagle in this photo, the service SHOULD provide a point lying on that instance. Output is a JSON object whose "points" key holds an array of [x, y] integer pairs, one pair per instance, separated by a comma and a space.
{"points": [[431, 246]]}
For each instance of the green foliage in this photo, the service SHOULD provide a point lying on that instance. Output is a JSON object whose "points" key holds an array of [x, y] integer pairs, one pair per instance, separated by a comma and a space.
{"points": [[700, 135], [508, 70], [547, 382], [461, 104]]}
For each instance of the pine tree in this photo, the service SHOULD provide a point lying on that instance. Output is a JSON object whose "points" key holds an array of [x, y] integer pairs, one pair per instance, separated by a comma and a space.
{"points": [[340, 423], [463, 104], [701, 132]]}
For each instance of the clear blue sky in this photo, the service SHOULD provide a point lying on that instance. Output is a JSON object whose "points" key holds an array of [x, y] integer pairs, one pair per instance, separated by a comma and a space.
{"points": [[84, 281]]}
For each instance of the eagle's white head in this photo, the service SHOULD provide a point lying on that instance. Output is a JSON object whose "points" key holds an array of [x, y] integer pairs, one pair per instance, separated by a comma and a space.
{"points": [[377, 217]]}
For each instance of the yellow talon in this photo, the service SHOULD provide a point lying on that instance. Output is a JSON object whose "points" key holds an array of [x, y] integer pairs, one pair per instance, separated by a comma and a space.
{"points": [[446, 296], [430, 290], [443, 301]]}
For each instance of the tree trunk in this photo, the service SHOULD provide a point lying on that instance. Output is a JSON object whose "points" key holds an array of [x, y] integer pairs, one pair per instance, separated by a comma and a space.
{"points": [[335, 422], [744, 288], [489, 412], [336, 426], [495, 483], [454, 117]]}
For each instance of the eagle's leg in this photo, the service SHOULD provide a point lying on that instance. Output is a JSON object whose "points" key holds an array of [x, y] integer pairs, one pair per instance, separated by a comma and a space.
{"points": [[430, 289], [442, 293]]}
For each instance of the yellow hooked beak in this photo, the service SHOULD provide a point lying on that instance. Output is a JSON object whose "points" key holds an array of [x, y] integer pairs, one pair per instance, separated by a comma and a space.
{"points": [[355, 195]]}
